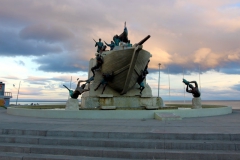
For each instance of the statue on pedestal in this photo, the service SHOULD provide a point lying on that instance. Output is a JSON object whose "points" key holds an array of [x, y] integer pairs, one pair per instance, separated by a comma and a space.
{"points": [[79, 89], [196, 101], [194, 90], [99, 45]]}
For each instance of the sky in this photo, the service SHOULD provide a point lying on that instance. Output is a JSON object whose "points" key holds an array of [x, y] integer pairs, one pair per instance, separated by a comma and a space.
{"points": [[44, 44]]}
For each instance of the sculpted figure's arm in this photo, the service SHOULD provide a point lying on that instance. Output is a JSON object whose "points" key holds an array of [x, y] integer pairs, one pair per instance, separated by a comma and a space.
{"points": [[196, 85], [187, 90], [80, 82]]}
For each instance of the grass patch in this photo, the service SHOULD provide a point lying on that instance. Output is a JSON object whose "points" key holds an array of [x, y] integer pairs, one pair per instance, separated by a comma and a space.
{"points": [[43, 107]]}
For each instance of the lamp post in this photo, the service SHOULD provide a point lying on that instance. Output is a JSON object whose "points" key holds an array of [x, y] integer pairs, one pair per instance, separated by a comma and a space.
{"points": [[18, 92], [71, 82], [159, 64], [169, 84], [200, 79], [183, 86]]}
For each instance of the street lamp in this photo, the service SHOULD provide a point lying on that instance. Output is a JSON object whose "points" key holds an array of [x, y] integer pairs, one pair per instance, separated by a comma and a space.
{"points": [[169, 84], [159, 64], [18, 91]]}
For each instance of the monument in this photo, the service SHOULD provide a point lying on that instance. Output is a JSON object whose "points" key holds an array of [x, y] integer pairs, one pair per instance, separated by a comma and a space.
{"points": [[119, 76], [196, 101]]}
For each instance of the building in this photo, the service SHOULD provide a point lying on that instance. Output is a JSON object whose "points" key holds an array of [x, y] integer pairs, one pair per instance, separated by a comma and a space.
{"points": [[4, 96]]}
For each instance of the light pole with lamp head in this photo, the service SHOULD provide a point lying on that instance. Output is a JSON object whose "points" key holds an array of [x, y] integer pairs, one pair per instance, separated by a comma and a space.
{"points": [[159, 64]]}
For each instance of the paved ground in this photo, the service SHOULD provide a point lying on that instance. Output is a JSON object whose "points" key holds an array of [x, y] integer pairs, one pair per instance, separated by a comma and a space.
{"points": [[217, 124]]}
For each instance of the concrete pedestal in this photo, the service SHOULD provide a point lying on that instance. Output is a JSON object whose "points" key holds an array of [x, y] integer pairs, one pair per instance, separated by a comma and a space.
{"points": [[196, 103], [111, 97], [72, 104]]}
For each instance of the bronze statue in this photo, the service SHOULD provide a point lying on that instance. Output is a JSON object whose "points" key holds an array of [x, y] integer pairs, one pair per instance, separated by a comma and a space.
{"points": [[99, 61], [194, 90], [99, 45], [111, 45], [142, 77], [124, 36], [79, 90], [106, 78], [116, 40]]}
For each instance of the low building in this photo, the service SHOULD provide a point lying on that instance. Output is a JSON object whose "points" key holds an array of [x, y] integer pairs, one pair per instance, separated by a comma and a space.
{"points": [[4, 96]]}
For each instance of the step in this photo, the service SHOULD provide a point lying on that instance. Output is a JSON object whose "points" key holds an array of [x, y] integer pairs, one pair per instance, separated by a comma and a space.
{"points": [[122, 135], [167, 116], [124, 143], [31, 156], [126, 153]]}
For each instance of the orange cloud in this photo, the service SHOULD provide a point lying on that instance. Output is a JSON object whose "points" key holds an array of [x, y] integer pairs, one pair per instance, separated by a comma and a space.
{"points": [[159, 56], [207, 57]]}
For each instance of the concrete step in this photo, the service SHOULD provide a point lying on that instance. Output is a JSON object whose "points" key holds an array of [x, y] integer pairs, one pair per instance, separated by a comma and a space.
{"points": [[31, 156], [124, 143], [166, 116], [122, 135], [124, 153]]}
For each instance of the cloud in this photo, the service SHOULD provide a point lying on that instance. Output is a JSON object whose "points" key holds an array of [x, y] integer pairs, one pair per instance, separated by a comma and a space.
{"points": [[61, 63], [21, 63], [11, 77], [184, 34], [236, 87], [47, 33], [14, 46], [30, 91]]}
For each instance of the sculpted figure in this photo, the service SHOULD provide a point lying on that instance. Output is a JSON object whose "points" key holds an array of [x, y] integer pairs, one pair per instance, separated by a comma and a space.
{"points": [[142, 77], [103, 49], [79, 89], [124, 36], [106, 78], [129, 44], [99, 62], [116, 40], [111, 45], [193, 89], [99, 45]]}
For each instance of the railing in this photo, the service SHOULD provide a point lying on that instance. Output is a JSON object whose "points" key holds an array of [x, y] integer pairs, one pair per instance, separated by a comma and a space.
{"points": [[8, 94]]}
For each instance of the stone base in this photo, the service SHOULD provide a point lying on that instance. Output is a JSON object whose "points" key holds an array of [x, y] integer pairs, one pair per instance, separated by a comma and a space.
{"points": [[121, 101], [72, 104], [151, 107], [196, 103], [108, 107]]}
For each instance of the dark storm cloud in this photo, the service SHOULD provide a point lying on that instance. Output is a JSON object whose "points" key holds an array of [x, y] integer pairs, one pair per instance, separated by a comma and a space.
{"points": [[12, 45], [46, 33], [61, 63], [231, 68]]}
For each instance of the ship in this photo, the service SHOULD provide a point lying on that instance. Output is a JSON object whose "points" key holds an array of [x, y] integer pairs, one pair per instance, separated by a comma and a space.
{"points": [[126, 64]]}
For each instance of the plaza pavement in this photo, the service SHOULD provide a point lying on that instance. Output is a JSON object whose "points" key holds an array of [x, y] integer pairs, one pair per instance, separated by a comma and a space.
{"points": [[225, 124]]}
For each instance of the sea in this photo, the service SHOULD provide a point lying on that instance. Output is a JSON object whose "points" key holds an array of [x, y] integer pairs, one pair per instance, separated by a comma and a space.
{"points": [[235, 104]]}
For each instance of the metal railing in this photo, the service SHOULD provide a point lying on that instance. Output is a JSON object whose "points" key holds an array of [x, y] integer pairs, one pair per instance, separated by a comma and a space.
{"points": [[8, 94]]}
